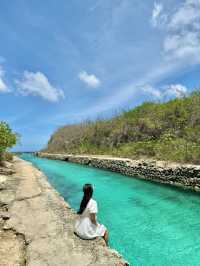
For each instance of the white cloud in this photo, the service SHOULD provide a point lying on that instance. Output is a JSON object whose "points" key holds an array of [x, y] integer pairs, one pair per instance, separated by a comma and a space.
{"points": [[148, 89], [3, 86], [182, 27], [157, 9], [37, 84], [165, 92], [183, 33], [158, 18], [90, 79], [188, 14], [176, 90], [183, 46]]}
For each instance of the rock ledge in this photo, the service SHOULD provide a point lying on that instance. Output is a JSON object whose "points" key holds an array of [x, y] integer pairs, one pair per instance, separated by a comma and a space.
{"points": [[36, 225]]}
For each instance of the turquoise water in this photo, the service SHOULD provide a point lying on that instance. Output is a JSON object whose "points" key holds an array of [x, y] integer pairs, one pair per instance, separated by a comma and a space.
{"points": [[149, 224]]}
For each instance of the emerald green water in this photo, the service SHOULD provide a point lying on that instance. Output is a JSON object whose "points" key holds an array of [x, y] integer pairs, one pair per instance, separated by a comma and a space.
{"points": [[149, 224]]}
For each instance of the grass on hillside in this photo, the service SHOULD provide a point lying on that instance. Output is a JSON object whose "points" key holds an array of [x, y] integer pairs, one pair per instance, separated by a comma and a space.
{"points": [[164, 131]]}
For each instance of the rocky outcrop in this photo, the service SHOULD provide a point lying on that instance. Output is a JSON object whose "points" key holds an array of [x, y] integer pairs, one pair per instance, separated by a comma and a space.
{"points": [[12, 243], [36, 225], [183, 175]]}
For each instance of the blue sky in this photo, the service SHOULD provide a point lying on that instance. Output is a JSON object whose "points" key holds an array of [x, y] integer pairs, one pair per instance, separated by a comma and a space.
{"points": [[63, 62]]}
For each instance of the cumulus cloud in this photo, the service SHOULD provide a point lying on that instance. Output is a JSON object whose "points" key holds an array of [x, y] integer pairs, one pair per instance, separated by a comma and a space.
{"points": [[188, 14], [148, 89], [37, 84], [3, 86], [183, 45], [158, 18], [90, 79], [183, 40], [176, 90], [182, 27], [165, 92]]}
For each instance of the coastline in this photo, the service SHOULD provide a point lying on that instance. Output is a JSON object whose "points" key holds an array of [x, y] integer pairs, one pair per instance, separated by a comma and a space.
{"points": [[36, 225], [186, 176]]}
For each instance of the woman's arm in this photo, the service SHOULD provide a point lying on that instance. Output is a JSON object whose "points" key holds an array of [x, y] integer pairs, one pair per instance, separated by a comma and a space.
{"points": [[93, 218]]}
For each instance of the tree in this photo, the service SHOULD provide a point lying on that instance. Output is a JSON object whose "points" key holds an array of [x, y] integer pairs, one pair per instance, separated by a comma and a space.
{"points": [[7, 138]]}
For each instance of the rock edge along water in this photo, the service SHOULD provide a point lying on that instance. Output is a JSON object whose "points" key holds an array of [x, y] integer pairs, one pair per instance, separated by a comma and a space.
{"points": [[45, 221], [186, 176]]}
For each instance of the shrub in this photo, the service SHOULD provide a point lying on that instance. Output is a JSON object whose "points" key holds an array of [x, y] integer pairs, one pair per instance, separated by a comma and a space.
{"points": [[8, 156], [7, 138]]}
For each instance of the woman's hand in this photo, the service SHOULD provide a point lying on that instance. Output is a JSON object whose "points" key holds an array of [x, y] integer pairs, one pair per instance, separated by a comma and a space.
{"points": [[93, 218]]}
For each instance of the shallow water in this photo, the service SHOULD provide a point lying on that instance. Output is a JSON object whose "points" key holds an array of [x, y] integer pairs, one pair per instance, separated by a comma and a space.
{"points": [[149, 224]]}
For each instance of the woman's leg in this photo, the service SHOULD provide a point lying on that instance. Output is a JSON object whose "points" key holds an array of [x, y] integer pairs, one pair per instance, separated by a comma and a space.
{"points": [[106, 235]]}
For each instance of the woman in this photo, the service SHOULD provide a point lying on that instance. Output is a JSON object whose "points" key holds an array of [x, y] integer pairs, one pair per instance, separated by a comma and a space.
{"points": [[86, 225]]}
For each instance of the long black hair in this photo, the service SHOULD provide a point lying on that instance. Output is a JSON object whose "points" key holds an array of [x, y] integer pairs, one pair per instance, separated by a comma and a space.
{"points": [[88, 191]]}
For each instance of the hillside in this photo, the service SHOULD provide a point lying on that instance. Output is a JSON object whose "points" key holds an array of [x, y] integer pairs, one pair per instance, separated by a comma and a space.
{"points": [[164, 131]]}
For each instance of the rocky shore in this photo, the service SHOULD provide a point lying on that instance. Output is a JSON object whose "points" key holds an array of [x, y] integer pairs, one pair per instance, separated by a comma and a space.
{"points": [[36, 224], [186, 176]]}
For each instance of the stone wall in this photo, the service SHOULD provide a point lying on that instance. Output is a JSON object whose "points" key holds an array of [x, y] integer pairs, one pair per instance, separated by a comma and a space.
{"points": [[183, 175]]}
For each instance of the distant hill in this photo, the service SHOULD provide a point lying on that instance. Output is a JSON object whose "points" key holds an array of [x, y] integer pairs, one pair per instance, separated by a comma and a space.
{"points": [[164, 131]]}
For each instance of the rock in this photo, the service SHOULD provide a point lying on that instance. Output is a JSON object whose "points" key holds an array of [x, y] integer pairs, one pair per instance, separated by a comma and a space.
{"points": [[181, 175], [12, 249], [4, 215], [8, 164], [6, 171], [2, 182], [197, 188], [2, 179]]}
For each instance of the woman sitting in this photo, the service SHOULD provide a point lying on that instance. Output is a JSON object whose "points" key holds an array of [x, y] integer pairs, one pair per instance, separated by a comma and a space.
{"points": [[86, 226]]}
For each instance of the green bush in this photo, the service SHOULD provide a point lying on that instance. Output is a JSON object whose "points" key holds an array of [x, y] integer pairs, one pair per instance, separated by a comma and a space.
{"points": [[7, 138]]}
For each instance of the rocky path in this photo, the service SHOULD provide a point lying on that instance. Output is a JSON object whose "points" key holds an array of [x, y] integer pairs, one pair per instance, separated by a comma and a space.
{"points": [[36, 225]]}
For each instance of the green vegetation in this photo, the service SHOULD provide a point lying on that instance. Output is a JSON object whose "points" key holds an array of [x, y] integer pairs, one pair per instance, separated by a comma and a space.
{"points": [[7, 140], [164, 131]]}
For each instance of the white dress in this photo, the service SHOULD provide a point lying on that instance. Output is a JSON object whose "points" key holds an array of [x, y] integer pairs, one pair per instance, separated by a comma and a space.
{"points": [[83, 225]]}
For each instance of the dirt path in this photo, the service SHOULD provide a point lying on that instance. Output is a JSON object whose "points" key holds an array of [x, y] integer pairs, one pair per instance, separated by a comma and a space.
{"points": [[36, 225]]}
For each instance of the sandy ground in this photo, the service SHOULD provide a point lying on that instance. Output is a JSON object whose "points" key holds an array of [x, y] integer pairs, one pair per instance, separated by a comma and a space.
{"points": [[36, 225]]}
